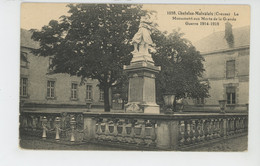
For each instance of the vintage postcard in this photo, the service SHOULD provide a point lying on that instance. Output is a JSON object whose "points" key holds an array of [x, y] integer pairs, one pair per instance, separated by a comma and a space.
{"points": [[153, 77]]}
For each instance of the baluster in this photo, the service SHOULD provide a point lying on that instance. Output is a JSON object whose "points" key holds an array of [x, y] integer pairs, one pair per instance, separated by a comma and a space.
{"points": [[192, 131], [243, 124], [238, 125], [132, 133], [110, 130], [63, 124], [197, 134], [99, 132], [57, 126], [137, 132], [24, 122], [202, 126], [189, 132], [33, 123], [44, 128], [124, 134], [103, 129], [181, 133], [148, 130], [186, 132], [228, 126], [208, 129], [246, 123], [206, 124], [38, 123], [153, 134], [128, 131], [48, 125], [211, 128], [143, 134], [221, 126], [119, 130], [216, 128], [106, 132], [233, 125], [115, 133], [72, 126]]}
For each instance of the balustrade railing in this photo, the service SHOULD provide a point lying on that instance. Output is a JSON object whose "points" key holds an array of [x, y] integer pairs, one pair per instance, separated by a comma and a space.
{"points": [[59, 126], [176, 132], [162, 131], [138, 132]]}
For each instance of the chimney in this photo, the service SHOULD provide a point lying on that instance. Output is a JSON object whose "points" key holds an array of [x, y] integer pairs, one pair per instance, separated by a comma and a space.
{"points": [[229, 34]]}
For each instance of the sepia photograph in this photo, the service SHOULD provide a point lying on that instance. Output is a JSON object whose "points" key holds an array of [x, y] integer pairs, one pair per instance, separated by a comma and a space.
{"points": [[134, 77]]}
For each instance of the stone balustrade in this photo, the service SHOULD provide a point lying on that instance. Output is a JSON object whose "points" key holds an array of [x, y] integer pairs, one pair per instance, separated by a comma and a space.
{"points": [[138, 131], [67, 126], [175, 132]]}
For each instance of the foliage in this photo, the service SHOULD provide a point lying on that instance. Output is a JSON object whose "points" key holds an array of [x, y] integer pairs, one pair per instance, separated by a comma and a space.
{"points": [[92, 42], [181, 66]]}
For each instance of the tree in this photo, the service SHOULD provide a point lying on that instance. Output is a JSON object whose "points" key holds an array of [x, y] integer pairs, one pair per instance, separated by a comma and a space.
{"points": [[181, 66], [92, 42]]}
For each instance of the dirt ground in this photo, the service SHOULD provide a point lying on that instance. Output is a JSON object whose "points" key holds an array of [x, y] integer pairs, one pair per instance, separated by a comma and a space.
{"points": [[235, 144]]}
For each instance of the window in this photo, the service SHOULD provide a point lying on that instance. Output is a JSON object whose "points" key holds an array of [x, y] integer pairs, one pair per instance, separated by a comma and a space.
{"points": [[101, 95], [24, 87], [50, 63], [231, 95], [230, 69], [24, 60], [89, 92], [74, 91], [200, 101], [50, 89]]}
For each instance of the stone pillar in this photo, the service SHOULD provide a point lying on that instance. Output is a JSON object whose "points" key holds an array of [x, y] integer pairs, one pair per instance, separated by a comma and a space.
{"points": [[167, 134], [141, 90], [89, 128]]}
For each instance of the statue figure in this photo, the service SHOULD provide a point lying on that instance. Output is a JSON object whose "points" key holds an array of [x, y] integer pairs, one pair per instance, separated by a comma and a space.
{"points": [[142, 39]]}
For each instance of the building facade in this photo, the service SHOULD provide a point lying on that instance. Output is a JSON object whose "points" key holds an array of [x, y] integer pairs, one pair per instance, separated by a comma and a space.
{"points": [[41, 91], [226, 55]]}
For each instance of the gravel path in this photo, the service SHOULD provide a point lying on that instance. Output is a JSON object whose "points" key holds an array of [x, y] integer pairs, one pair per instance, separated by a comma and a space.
{"points": [[230, 145], [235, 144]]}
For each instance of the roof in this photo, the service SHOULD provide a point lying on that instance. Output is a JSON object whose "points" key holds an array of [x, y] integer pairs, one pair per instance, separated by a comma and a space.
{"points": [[27, 41], [216, 41]]}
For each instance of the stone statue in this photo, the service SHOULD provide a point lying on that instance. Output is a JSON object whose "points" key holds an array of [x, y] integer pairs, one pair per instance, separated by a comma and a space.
{"points": [[142, 39]]}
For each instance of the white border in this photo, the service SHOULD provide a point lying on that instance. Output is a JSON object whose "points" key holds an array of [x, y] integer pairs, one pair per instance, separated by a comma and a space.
{"points": [[10, 154]]}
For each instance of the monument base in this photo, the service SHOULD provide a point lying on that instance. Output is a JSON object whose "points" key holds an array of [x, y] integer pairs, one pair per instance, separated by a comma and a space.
{"points": [[142, 58], [152, 109], [138, 107]]}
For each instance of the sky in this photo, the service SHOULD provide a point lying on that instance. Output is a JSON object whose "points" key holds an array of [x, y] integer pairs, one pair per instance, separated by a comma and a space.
{"points": [[36, 15]]}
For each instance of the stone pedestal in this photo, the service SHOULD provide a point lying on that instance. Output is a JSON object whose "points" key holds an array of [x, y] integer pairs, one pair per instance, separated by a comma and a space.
{"points": [[141, 91]]}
